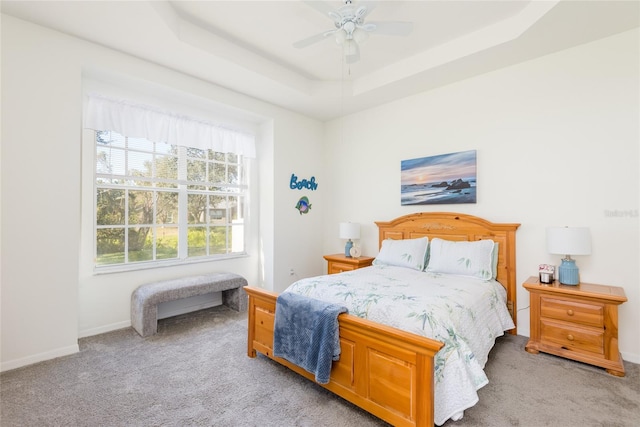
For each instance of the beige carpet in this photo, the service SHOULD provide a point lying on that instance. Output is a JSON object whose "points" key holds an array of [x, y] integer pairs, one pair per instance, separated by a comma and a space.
{"points": [[195, 372]]}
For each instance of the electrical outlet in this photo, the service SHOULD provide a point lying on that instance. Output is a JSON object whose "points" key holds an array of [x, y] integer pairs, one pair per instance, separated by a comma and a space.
{"points": [[291, 272]]}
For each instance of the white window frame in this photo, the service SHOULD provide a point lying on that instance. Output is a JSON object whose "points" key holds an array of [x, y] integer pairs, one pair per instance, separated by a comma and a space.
{"points": [[183, 225]]}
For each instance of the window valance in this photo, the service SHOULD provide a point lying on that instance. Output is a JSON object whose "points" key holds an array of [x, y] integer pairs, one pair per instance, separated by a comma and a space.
{"points": [[154, 124]]}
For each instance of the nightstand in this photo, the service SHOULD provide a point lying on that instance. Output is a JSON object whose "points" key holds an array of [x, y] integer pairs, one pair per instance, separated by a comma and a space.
{"points": [[577, 322], [338, 263]]}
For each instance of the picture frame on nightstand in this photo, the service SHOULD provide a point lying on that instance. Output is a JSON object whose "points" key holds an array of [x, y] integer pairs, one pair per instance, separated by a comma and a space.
{"points": [[546, 273]]}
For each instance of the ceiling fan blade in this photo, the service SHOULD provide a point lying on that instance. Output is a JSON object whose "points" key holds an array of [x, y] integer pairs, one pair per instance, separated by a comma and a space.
{"points": [[313, 39], [360, 13], [389, 28], [324, 8], [368, 6]]}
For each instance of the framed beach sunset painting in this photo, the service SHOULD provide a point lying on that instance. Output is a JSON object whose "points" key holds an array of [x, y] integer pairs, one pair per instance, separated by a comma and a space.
{"points": [[436, 180]]}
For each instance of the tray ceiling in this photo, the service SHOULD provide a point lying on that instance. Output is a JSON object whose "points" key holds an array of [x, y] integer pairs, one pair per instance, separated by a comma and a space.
{"points": [[246, 46]]}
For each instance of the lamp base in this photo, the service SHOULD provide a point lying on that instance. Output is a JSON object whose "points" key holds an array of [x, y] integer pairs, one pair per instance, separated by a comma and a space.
{"points": [[568, 272], [347, 248]]}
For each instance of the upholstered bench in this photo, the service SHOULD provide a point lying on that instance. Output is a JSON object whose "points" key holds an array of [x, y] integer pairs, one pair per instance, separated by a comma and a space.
{"points": [[145, 299]]}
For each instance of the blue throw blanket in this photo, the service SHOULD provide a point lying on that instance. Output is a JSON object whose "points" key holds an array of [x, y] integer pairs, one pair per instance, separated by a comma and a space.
{"points": [[306, 333]]}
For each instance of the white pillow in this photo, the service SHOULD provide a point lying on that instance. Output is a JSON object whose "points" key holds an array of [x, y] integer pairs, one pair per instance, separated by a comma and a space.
{"points": [[409, 253], [465, 258]]}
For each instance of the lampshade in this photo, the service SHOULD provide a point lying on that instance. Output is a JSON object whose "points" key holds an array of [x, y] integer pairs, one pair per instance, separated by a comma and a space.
{"points": [[349, 230], [568, 240]]}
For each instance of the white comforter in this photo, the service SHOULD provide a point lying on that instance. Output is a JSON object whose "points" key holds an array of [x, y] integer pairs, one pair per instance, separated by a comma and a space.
{"points": [[465, 313]]}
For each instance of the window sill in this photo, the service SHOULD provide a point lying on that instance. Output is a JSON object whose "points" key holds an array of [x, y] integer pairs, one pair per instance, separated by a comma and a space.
{"points": [[109, 269]]}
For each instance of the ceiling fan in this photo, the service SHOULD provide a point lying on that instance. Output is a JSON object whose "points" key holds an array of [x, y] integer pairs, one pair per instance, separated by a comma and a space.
{"points": [[350, 29]]}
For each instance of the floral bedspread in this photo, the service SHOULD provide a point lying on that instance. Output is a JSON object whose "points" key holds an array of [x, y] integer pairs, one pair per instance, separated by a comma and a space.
{"points": [[465, 313]]}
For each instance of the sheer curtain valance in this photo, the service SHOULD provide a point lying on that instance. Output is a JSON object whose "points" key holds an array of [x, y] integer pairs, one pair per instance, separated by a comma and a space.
{"points": [[143, 121]]}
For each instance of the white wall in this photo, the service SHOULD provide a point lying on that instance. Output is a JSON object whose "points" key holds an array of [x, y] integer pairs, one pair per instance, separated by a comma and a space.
{"points": [[50, 296], [557, 144], [39, 240], [302, 249]]}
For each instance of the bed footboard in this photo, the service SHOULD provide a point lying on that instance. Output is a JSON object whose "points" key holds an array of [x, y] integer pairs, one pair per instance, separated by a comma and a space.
{"points": [[383, 370]]}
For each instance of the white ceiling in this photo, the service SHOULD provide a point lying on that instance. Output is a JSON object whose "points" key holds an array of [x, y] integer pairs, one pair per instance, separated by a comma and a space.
{"points": [[246, 46]]}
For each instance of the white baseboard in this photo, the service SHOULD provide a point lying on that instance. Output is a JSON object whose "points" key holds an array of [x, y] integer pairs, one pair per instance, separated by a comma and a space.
{"points": [[104, 329], [40, 357], [165, 309]]}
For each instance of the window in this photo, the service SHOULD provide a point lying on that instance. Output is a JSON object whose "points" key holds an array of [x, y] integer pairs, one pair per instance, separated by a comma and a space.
{"points": [[163, 203]]}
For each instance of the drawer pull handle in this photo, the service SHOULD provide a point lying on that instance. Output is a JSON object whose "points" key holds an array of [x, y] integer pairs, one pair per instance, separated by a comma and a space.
{"points": [[570, 312], [570, 337]]}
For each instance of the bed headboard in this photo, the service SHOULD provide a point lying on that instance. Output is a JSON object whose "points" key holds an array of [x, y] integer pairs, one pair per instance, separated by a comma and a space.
{"points": [[456, 226]]}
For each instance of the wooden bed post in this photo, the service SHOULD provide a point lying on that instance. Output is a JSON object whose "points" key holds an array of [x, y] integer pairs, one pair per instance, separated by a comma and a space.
{"points": [[251, 331]]}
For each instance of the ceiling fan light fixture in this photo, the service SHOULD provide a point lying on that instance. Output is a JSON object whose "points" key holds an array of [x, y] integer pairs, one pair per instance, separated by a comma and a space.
{"points": [[350, 29], [350, 48], [360, 36]]}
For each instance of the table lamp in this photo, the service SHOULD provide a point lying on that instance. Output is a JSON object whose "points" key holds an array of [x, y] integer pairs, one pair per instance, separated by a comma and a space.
{"points": [[349, 230], [568, 241]]}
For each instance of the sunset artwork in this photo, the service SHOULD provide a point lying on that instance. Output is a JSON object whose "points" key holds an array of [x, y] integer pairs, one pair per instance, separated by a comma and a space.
{"points": [[442, 179]]}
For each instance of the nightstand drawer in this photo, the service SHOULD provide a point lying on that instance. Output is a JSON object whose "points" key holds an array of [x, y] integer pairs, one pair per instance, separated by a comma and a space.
{"points": [[339, 267], [584, 339], [572, 311], [338, 263]]}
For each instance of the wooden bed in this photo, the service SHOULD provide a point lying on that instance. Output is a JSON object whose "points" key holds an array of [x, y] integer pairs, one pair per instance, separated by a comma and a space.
{"points": [[383, 370]]}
